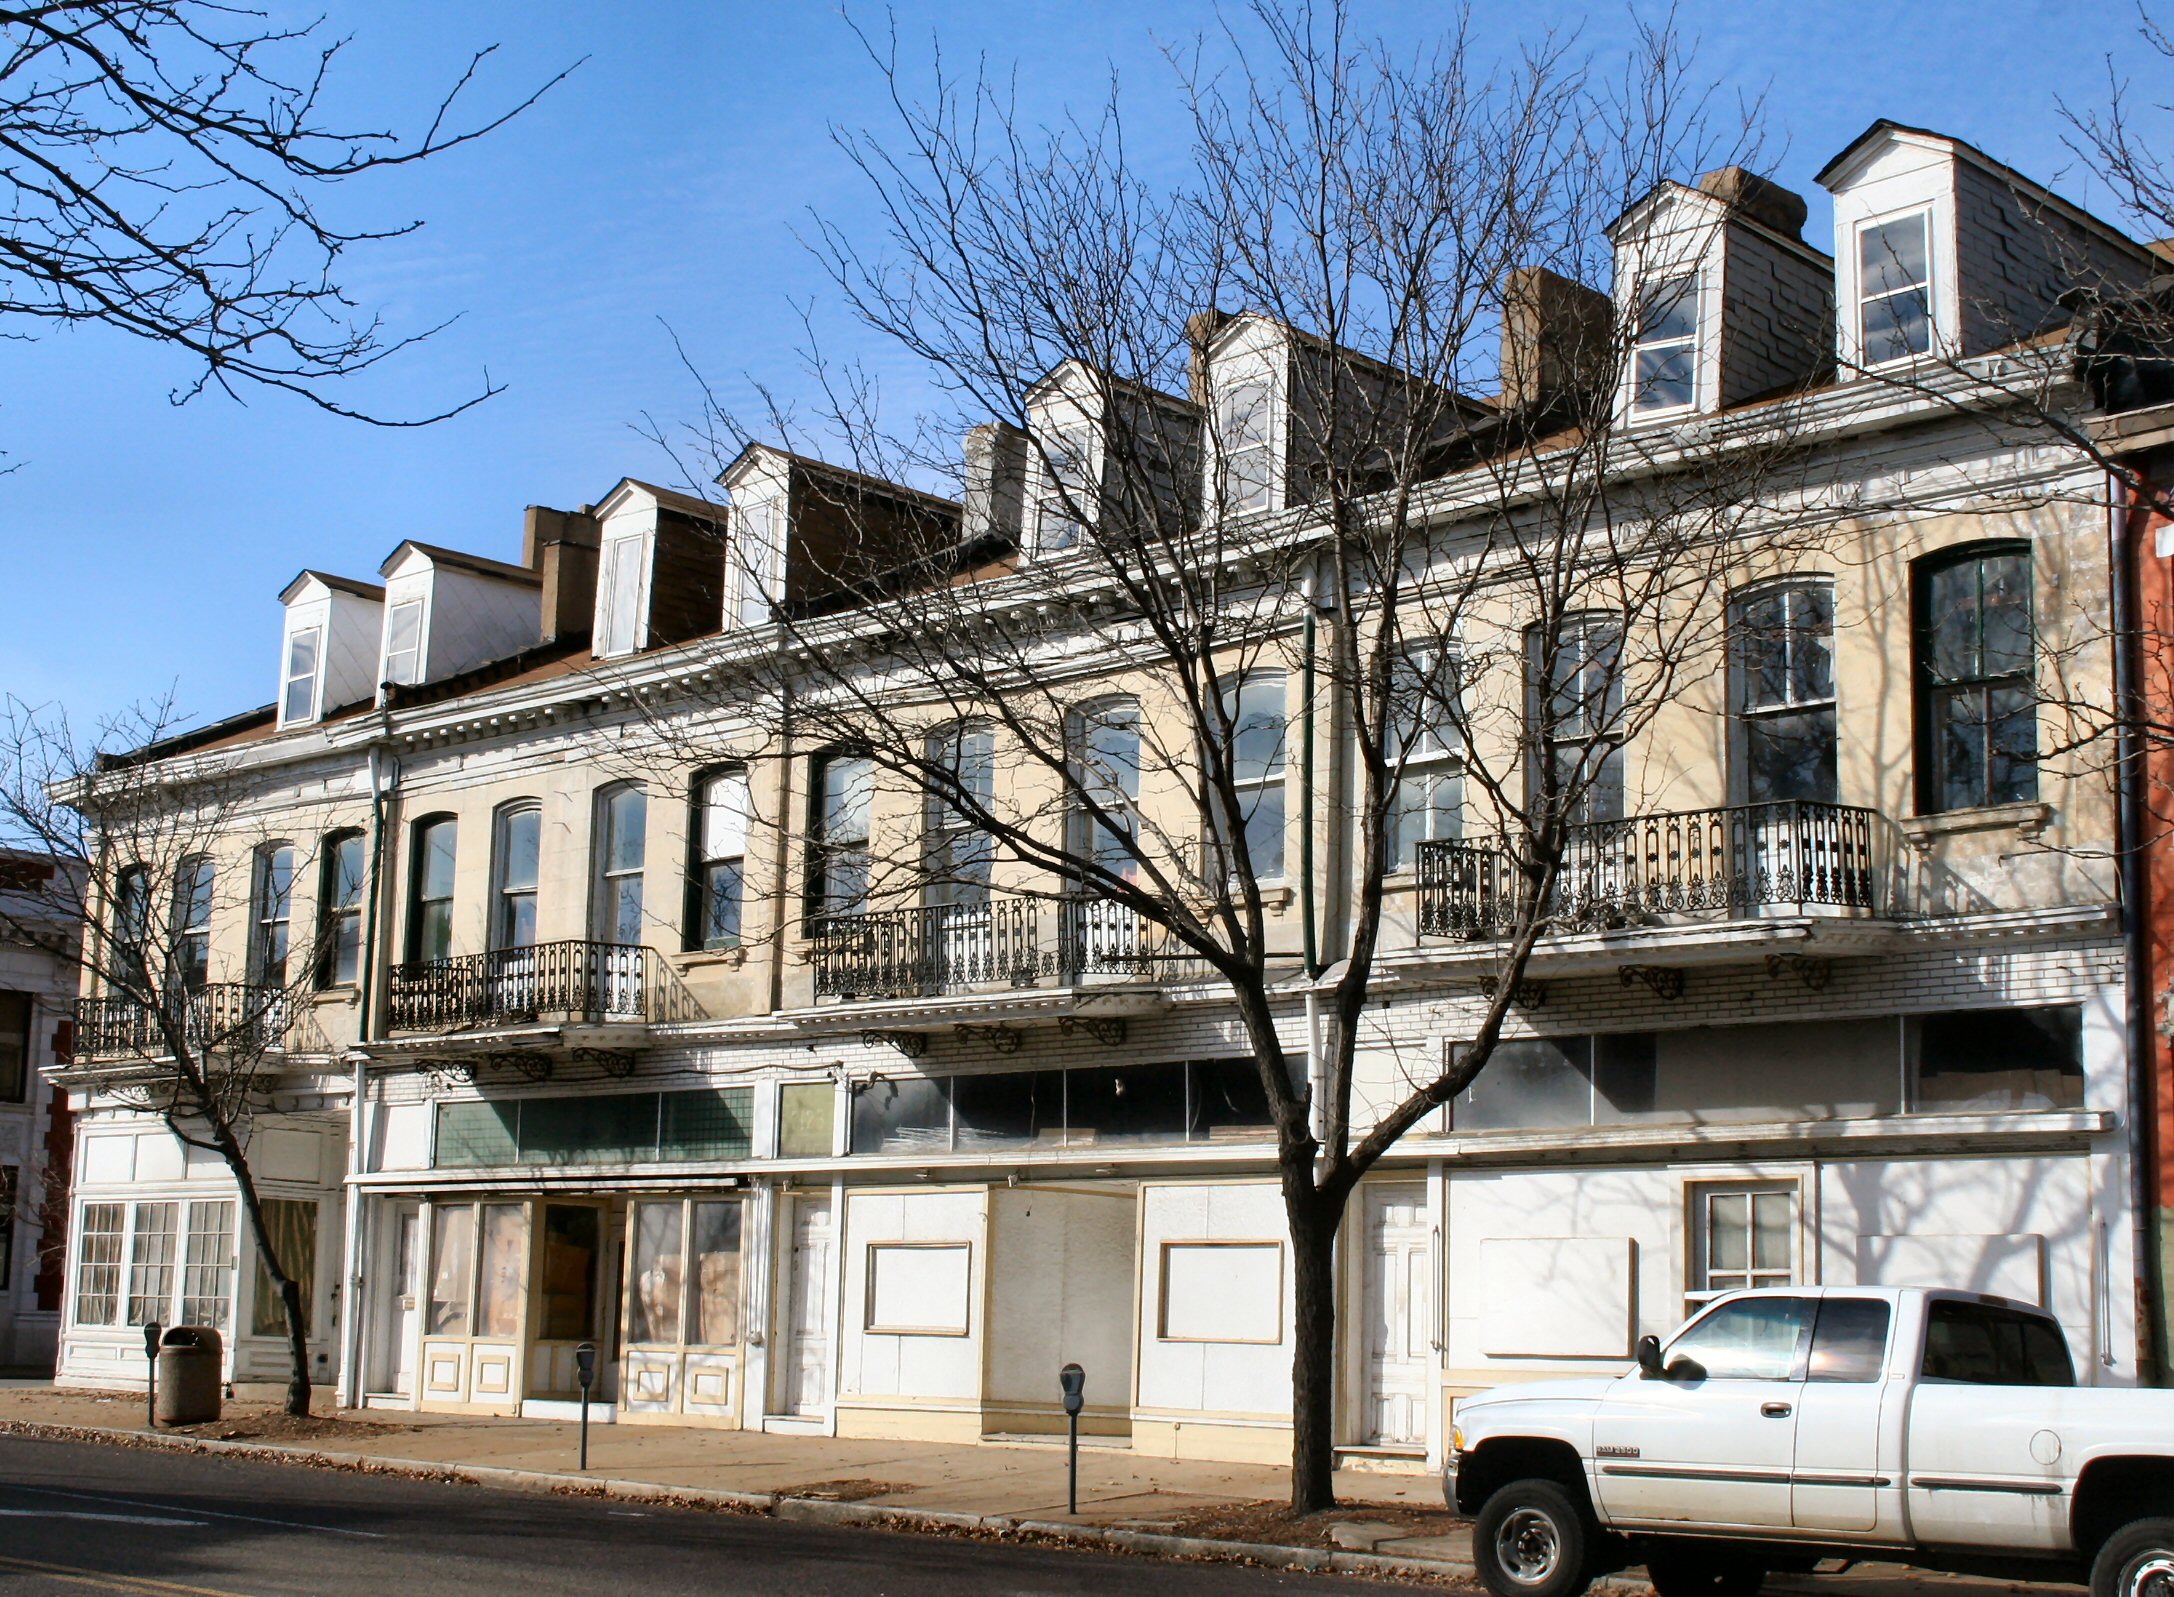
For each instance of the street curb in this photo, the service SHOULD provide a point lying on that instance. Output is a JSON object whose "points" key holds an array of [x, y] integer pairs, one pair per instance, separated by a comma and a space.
{"points": [[803, 1510]]}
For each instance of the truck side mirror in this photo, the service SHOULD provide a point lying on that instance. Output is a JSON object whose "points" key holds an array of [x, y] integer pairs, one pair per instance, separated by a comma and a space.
{"points": [[1649, 1357]]}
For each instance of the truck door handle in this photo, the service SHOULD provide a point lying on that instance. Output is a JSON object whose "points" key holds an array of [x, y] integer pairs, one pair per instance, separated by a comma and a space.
{"points": [[1775, 1411]]}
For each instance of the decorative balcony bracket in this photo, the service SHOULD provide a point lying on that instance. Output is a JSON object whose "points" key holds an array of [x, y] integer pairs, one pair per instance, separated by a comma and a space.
{"points": [[1809, 969], [1663, 981], [527, 1063], [445, 1073], [1106, 1030], [1524, 994], [913, 1044], [997, 1039], [617, 1063]]}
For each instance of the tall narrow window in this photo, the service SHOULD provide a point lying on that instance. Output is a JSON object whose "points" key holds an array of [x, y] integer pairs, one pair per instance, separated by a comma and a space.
{"points": [[957, 854], [298, 692], [1256, 710], [151, 1261], [1785, 693], [132, 926], [291, 1226], [10, 1189], [1664, 361], [623, 820], [430, 907], [1243, 420], [844, 793], [14, 1051], [404, 642], [1977, 705], [1423, 715], [514, 860], [717, 886], [271, 915], [1894, 289], [98, 1263], [619, 595], [1105, 739], [207, 1264], [339, 910], [192, 920], [1065, 500], [1577, 703], [755, 561]]}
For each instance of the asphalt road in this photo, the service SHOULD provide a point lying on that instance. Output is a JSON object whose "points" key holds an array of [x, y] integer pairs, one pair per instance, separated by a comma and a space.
{"points": [[79, 1518]]}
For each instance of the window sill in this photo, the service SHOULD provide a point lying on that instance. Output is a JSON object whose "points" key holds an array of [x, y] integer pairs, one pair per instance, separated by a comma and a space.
{"points": [[2027, 821], [346, 995], [731, 958]]}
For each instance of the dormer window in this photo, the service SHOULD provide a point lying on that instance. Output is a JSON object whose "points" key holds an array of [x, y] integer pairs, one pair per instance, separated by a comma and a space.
{"points": [[1242, 422], [298, 695], [1894, 282], [404, 642], [620, 595], [1065, 500], [1664, 361], [757, 560]]}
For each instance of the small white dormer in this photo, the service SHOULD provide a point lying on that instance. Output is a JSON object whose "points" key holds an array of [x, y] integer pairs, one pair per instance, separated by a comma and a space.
{"points": [[1246, 398], [1073, 475], [761, 485], [660, 568], [446, 612], [1941, 251], [329, 645]]}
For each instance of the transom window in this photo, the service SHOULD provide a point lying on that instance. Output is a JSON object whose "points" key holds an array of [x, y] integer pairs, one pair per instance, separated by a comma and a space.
{"points": [[1256, 711], [958, 855], [1577, 703], [1894, 289], [192, 919], [298, 691], [340, 910], [623, 815], [514, 867], [1785, 693], [1423, 716], [844, 795], [719, 882], [273, 909], [430, 916], [1664, 359], [1977, 704], [404, 642], [1105, 740]]}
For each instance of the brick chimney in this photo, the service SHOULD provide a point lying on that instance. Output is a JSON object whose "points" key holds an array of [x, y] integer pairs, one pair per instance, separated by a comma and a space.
{"points": [[1556, 340], [561, 546], [1761, 199]]}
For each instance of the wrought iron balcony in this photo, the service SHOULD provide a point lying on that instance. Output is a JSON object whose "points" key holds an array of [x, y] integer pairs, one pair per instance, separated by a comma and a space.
{"points": [[1722, 864], [1004, 941], [515, 986], [218, 1018]]}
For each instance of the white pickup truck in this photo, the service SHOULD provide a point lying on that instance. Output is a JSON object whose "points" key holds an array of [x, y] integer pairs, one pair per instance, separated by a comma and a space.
{"points": [[1788, 1426]]}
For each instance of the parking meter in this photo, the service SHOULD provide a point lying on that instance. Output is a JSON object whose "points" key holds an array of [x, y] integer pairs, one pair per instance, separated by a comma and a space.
{"points": [[1073, 1381], [151, 1334], [585, 1374]]}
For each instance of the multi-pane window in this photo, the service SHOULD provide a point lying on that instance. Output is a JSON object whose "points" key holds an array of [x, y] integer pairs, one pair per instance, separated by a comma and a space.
{"points": [[1746, 1237], [623, 818], [1785, 693], [1577, 703], [514, 858], [619, 595], [1977, 706], [298, 690], [14, 1050], [756, 560], [1424, 711], [192, 919], [1065, 498], [339, 910], [430, 910], [843, 795], [1256, 710], [1242, 421], [1664, 359], [1105, 750], [151, 1242], [207, 1265], [132, 925], [1894, 289], [270, 915], [98, 1263], [957, 854], [404, 642], [718, 884]]}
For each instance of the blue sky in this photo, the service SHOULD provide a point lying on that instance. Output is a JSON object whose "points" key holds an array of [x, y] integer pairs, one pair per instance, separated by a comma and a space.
{"points": [[145, 545]]}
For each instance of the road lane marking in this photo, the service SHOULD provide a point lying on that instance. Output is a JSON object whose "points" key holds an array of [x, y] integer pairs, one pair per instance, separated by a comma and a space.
{"points": [[116, 1519], [137, 1585], [207, 1513]]}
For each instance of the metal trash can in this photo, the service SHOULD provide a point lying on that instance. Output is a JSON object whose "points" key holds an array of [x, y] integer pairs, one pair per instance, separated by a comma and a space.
{"points": [[189, 1374]]}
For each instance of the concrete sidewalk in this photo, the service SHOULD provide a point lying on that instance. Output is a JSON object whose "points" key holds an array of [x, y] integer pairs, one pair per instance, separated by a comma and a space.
{"points": [[1385, 1525]]}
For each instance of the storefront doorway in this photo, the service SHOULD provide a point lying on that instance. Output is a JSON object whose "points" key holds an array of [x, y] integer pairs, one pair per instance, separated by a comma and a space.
{"points": [[570, 1298], [399, 1311], [683, 1344], [803, 1378], [476, 1305]]}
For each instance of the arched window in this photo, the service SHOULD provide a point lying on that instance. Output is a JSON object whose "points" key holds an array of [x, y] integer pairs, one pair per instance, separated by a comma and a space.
{"points": [[339, 909], [131, 926], [717, 866], [430, 888], [516, 851], [1104, 752], [1977, 705], [622, 837], [840, 799], [271, 912], [1783, 663]]}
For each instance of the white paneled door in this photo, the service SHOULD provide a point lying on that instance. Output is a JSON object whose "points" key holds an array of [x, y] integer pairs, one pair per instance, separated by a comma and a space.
{"points": [[1397, 1312], [804, 1380]]}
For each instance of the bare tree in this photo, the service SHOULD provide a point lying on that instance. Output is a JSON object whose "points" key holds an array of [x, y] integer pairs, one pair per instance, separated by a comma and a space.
{"points": [[164, 165], [151, 843], [1080, 679]]}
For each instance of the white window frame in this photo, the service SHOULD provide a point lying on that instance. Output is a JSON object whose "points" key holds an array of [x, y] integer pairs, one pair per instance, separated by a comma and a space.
{"points": [[1065, 446], [334, 914], [755, 561], [944, 829], [1699, 1272], [1695, 341], [625, 555], [503, 891], [188, 1264], [1115, 790], [389, 673], [1924, 212], [192, 916], [608, 876], [1274, 778], [1229, 450], [1431, 758], [311, 681]]}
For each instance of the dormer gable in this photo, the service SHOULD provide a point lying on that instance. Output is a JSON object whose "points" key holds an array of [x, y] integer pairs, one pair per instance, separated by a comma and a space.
{"points": [[1099, 445], [328, 647], [660, 571], [447, 611], [1943, 252], [1718, 298]]}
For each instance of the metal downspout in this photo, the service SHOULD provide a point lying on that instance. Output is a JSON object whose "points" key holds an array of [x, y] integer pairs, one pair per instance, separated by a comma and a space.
{"points": [[382, 778], [1305, 804]]}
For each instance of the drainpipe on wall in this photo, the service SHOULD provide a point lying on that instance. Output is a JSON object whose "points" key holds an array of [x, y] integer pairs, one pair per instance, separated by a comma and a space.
{"points": [[1305, 797], [384, 777], [2125, 521]]}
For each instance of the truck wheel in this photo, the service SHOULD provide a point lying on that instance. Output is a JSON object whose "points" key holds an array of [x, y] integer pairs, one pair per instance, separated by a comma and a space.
{"points": [[1532, 1540], [1705, 1572], [2137, 1561]]}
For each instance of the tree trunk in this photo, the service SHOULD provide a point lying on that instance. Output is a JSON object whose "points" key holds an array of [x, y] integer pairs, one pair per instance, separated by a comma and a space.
{"points": [[290, 1299], [283, 1282], [1313, 1222]]}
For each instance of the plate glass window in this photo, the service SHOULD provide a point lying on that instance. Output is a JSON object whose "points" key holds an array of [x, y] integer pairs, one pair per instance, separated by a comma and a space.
{"points": [[192, 920], [341, 899], [513, 908], [838, 859], [1664, 363], [1425, 709], [298, 692], [1894, 267], [1785, 693], [625, 818], [720, 877], [430, 921], [1978, 706], [404, 642], [274, 908]]}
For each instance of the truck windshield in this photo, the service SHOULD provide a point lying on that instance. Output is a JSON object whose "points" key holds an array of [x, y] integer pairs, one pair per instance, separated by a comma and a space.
{"points": [[1985, 1345]]}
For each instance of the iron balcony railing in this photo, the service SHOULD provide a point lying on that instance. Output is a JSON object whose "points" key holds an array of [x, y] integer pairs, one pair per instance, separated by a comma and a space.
{"points": [[1003, 941], [217, 1018], [509, 986], [1723, 863]]}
